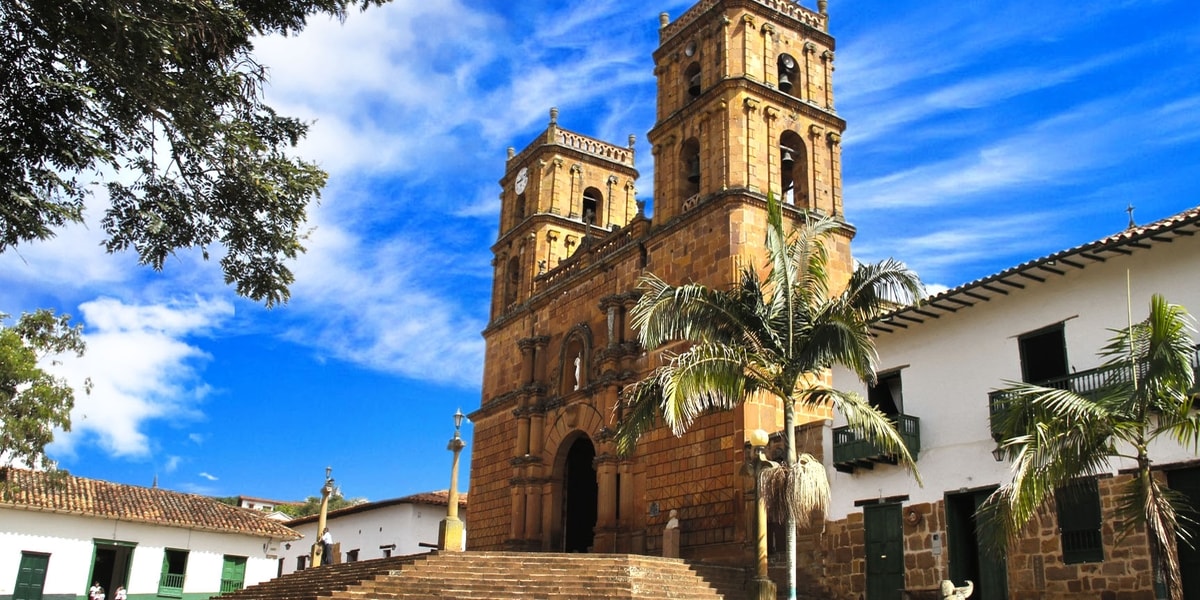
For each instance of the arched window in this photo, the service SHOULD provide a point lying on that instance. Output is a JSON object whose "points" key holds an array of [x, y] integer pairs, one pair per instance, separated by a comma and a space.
{"points": [[512, 281], [592, 202], [691, 78], [690, 155], [519, 210], [793, 169], [789, 74]]}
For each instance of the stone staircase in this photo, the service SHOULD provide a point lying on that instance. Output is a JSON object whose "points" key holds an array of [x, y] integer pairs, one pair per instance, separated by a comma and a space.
{"points": [[505, 575]]}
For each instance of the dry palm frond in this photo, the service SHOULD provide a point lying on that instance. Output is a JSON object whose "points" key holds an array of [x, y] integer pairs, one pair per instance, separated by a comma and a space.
{"points": [[799, 492]]}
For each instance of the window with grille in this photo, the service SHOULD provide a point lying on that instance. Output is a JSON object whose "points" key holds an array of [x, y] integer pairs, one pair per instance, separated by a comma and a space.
{"points": [[1078, 507]]}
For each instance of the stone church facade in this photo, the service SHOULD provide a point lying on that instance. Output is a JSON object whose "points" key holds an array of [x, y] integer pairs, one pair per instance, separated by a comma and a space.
{"points": [[745, 108]]}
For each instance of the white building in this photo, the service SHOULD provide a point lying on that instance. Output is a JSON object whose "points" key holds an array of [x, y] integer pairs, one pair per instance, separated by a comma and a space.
{"points": [[395, 527], [59, 534], [1041, 321]]}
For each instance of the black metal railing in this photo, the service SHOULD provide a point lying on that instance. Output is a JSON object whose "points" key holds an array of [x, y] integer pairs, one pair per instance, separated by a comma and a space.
{"points": [[1085, 383], [850, 450]]}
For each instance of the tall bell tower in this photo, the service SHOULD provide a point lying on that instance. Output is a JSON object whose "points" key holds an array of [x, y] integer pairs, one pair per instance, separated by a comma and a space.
{"points": [[745, 110], [745, 103], [560, 192]]}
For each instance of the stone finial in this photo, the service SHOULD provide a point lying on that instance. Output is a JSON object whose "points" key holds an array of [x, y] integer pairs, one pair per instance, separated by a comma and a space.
{"points": [[554, 115], [632, 139], [663, 20], [511, 152], [823, 7]]}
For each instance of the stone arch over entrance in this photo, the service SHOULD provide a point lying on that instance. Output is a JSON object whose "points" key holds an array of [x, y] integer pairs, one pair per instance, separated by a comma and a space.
{"points": [[574, 488]]}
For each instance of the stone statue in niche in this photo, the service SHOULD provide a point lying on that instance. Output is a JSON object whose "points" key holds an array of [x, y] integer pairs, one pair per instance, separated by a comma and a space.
{"points": [[578, 363]]}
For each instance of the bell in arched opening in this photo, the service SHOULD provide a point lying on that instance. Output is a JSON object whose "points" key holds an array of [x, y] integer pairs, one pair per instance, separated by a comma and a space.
{"points": [[787, 160], [693, 172], [694, 86], [785, 84]]}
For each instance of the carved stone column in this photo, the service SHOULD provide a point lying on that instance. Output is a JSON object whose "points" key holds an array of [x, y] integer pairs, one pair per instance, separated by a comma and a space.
{"points": [[516, 526], [606, 504], [533, 512]]}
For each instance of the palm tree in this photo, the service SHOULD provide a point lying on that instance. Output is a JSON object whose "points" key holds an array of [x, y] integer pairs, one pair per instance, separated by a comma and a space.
{"points": [[1056, 437], [775, 335]]}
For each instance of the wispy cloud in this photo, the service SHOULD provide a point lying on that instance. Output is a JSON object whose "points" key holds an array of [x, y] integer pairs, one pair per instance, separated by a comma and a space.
{"points": [[142, 369], [207, 476]]}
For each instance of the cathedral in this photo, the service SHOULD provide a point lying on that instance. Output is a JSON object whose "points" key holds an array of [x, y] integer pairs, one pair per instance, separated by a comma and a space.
{"points": [[745, 109]]}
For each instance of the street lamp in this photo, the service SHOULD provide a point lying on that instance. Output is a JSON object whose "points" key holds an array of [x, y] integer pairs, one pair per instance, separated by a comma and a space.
{"points": [[450, 531], [763, 587], [317, 555]]}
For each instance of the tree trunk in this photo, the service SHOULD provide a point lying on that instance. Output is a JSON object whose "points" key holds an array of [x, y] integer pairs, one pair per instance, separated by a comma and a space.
{"points": [[789, 426]]}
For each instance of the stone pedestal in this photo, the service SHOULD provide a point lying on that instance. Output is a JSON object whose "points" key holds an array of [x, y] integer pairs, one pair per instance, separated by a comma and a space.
{"points": [[671, 536], [450, 534]]}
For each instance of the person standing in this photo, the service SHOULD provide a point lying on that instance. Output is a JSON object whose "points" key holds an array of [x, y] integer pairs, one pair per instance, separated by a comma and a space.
{"points": [[96, 592], [326, 547], [120, 594]]}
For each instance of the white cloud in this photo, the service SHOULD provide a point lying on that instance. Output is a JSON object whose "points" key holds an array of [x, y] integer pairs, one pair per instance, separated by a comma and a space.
{"points": [[379, 306], [142, 369], [208, 476], [172, 463]]}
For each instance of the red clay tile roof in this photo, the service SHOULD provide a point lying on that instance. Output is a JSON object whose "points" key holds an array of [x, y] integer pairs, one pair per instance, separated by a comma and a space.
{"points": [[64, 493], [438, 498], [1037, 271]]}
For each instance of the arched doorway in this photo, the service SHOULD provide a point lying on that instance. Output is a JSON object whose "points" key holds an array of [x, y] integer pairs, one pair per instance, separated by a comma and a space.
{"points": [[579, 497]]}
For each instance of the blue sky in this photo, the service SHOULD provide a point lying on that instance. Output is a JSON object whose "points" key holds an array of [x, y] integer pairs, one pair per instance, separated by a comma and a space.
{"points": [[981, 134]]}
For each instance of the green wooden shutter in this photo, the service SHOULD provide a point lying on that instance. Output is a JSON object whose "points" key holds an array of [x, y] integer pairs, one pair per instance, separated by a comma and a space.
{"points": [[31, 576], [1078, 507], [170, 582], [233, 573]]}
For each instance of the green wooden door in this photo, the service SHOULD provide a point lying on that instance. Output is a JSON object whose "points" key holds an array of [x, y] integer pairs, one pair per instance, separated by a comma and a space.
{"points": [[233, 573], [885, 552], [968, 561], [31, 576], [1187, 482]]}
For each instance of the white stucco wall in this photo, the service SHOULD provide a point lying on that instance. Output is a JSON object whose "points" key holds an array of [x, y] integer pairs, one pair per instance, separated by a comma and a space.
{"points": [[69, 540], [405, 525], [948, 366]]}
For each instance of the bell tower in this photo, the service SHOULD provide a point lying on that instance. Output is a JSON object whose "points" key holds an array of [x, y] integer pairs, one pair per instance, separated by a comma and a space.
{"points": [[744, 111], [745, 103], [559, 192]]}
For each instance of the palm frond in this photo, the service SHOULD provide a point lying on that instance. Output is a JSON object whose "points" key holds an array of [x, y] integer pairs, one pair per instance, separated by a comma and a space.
{"points": [[641, 408], [796, 493]]}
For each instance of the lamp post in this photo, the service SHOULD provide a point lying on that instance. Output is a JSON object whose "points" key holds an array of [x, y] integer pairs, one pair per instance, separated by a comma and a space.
{"points": [[763, 587], [450, 531], [318, 550]]}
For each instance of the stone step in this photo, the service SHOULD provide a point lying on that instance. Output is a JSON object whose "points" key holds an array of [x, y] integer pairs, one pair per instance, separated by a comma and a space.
{"points": [[504, 575]]}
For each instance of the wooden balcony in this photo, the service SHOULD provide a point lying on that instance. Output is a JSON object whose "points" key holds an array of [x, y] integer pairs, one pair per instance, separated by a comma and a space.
{"points": [[1085, 383], [851, 451]]}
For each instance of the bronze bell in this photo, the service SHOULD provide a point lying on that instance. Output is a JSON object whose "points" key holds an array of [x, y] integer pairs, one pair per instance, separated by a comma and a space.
{"points": [[694, 170], [788, 161], [785, 84], [694, 85]]}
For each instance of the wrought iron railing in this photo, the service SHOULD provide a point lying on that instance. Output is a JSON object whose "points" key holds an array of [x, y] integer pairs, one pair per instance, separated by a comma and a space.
{"points": [[851, 450], [1085, 383]]}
